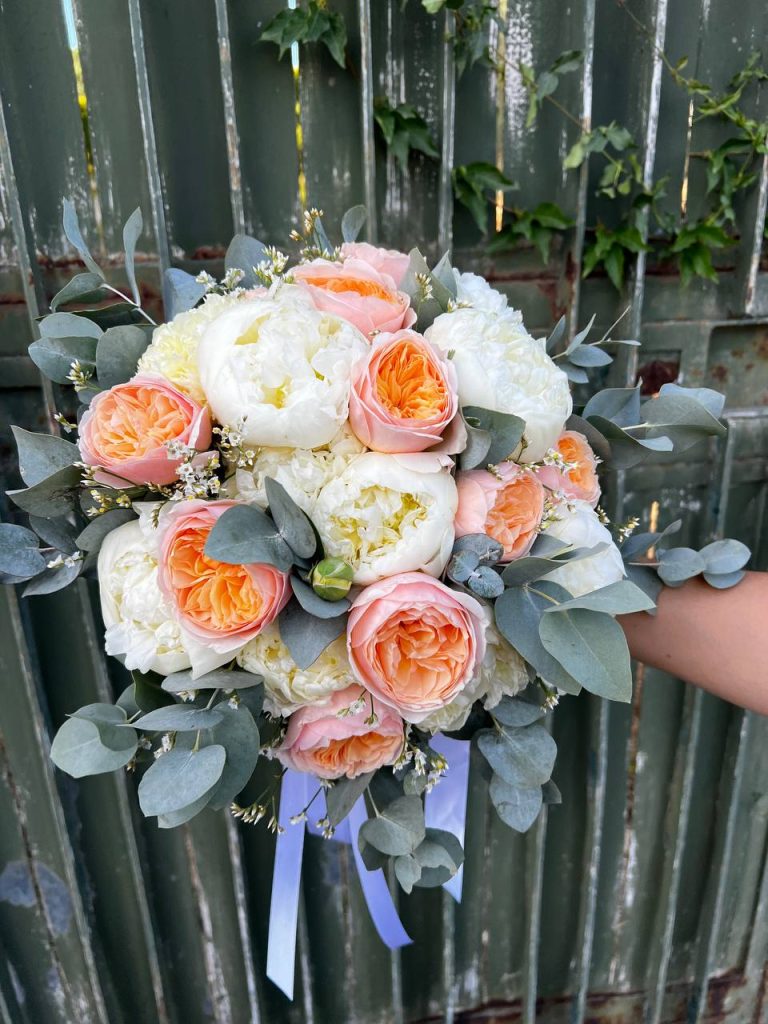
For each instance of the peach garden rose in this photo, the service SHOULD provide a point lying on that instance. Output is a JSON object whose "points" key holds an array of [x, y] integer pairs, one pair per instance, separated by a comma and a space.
{"points": [[339, 738], [385, 261], [404, 394], [125, 431], [507, 504], [577, 476], [414, 643], [355, 291]]}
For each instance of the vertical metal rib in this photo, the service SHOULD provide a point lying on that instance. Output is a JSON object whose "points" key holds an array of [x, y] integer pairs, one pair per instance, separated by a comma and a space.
{"points": [[366, 118], [582, 196], [535, 876], [712, 912], [230, 118], [154, 180], [649, 160], [244, 925], [749, 256], [596, 789], [445, 191], [449, 958], [676, 827]]}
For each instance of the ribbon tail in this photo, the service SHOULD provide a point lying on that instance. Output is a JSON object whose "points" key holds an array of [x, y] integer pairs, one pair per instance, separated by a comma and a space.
{"points": [[286, 884], [445, 807], [381, 906]]}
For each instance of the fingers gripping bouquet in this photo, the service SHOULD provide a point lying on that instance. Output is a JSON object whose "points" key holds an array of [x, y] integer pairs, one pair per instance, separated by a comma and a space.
{"points": [[342, 515]]}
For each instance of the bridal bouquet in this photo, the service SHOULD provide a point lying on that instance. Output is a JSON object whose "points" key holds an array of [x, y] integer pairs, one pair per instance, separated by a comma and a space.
{"points": [[343, 517]]}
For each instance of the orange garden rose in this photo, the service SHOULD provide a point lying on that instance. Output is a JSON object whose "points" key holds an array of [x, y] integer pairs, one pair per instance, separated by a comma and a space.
{"points": [[508, 505], [126, 429], [580, 481], [355, 291], [218, 605], [404, 394], [328, 744], [414, 643]]}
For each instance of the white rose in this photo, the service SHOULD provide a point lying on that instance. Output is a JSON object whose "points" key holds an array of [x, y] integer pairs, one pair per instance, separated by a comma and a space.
{"points": [[473, 290], [501, 674], [173, 351], [139, 624], [578, 524], [303, 473], [387, 514], [283, 366], [501, 367], [286, 686]]}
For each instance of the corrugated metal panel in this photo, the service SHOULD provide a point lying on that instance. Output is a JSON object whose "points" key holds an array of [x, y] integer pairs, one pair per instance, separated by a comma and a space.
{"points": [[645, 895]]}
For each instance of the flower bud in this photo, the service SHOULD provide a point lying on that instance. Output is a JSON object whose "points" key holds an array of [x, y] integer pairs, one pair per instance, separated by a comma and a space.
{"points": [[332, 578]]}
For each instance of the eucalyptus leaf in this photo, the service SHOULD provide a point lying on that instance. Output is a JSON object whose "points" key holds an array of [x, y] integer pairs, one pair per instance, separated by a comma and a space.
{"points": [[293, 524], [647, 580], [75, 237], [713, 401], [619, 405], [517, 712], [69, 325], [147, 691], [521, 756], [443, 272], [80, 288], [245, 253], [51, 580], [57, 533], [517, 806], [42, 455], [79, 750], [723, 581], [556, 338], [352, 223], [488, 550], [238, 733], [639, 543], [591, 355], [485, 582], [592, 648], [580, 337], [506, 432], [54, 496], [316, 605], [219, 679], [398, 829], [620, 598], [724, 556], [243, 535], [94, 534], [305, 636], [181, 817], [407, 871], [20, 555], [550, 793], [343, 795], [131, 232], [678, 565], [461, 566], [518, 613], [118, 352], [439, 856], [182, 290], [178, 718], [179, 778], [682, 417], [628, 449]]}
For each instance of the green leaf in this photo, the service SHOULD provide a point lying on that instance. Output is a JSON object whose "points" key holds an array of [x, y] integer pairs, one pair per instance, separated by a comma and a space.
{"points": [[723, 581], [517, 712], [219, 679], [682, 417], [620, 598], [343, 795], [407, 871], [592, 648], [502, 431], [487, 549], [181, 817], [485, 582], [591, 355], [316, 605], [517, 806], [439, 856], [51, 580], [69, 325], [398, 829], [352, 223], [178, 718], [556, 338], [54, 496], [57, 533], [238, 734], [678, 565], [522, 757], [182, 291], [619, 405], [54, 356], [305, 636], [42, 455], [19, 552], [118, 352], [80, 288], [79, 750], [131, 232], [534, 567], [518, 613], [294, 526], [638, 543], [245, 253], [179, 778], [75, 237], [94, 534], [147, 691], [244, 535], [724, 556]]}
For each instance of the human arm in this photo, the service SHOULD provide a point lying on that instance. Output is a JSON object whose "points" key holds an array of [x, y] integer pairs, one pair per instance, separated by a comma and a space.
{"points": [[716, 639]]}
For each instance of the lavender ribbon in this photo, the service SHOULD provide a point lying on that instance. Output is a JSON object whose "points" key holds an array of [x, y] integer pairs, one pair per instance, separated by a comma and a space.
{"points": [[445, 806]]}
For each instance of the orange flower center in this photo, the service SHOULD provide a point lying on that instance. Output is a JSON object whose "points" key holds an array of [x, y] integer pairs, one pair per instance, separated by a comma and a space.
{"points": [[422, 655], [517, 510], [572, 450], [361, 286], [409, 384], [356, 753], [214, 595], [131, 421]]}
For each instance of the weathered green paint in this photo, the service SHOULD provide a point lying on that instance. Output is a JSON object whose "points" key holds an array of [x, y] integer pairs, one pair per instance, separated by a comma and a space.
{"points": [[645, 895]]}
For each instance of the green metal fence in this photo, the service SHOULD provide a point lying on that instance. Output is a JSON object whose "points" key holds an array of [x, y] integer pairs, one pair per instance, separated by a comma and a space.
{"points": [[644, 897]]}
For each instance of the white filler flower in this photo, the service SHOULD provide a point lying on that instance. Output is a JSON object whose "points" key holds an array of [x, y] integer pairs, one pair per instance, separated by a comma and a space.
{"points": [[387, 514], [140, 628], [173, 351], [288, 687], [579, 525], [283, 367], [501, 367]]}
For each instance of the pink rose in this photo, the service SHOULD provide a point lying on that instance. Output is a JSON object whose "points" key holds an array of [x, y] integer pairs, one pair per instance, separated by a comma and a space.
{"points": [[580, 480], [354, 291], [507, 505], [404, 394], [328, 745], [219, 606], [125, 431], [386, 261], [414, 643]]}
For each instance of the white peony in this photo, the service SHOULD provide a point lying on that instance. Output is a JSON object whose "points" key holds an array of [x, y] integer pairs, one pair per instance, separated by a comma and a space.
{"points": [[501, 367], [173, 351], [282, 366], [387, 514], [579, 525], [286, 686], [473, 290], [501, 674], [303, 473], [139, 625]]}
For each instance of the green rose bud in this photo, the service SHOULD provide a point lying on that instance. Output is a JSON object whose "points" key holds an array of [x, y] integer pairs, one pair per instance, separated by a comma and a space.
{"points": [[332, 578]]}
